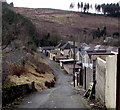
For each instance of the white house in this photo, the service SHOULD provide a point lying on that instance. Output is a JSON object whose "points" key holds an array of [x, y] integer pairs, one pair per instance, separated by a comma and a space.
{"points": [[65, 49]]}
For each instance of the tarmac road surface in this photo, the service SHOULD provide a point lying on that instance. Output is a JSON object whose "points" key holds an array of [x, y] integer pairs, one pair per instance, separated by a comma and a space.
{"points": [[63, 95]]}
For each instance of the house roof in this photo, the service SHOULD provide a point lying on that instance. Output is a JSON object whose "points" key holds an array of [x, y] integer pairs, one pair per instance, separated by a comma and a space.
{"points": [[61, 57], [66, 46], [96, 48], [114, 49], [54, 51], [48, 48], [60, 45], [67, 60], [72, 43], [81, 45]]}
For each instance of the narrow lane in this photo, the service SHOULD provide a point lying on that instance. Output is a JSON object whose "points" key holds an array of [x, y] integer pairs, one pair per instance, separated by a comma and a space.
{"points": [[63, 95]]}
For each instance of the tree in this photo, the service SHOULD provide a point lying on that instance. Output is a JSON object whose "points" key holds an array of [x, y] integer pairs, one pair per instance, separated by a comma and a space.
{"points": [[95, 7], [103, 8], [96, 33], [71, 6], [104, 32], [78, 6], [81, 6], [98, 8], [87, 7], [111, 9], [50, 40], [11, 4]]}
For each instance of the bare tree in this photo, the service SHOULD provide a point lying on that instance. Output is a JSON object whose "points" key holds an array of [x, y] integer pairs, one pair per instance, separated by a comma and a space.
{"points": [[85, 7]]}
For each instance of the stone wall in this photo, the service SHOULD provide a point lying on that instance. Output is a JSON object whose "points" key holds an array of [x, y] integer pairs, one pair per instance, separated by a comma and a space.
{"points": [[12, 92]]}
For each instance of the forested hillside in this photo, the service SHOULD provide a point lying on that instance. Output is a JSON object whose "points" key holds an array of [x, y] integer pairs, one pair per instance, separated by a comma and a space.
{"points": [[17, 29]]}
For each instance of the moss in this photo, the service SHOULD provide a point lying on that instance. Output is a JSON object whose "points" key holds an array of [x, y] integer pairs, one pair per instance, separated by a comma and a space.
{"points": [[8, 86]]}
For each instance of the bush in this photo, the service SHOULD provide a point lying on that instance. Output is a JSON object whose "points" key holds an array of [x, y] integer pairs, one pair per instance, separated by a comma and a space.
{"points": [[7, 86], [18, 70]]}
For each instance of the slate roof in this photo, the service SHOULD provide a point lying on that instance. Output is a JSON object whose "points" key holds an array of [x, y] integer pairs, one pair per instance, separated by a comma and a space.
{"points": [[54, 51], [48, 48], [60, 45], [66, 46]]}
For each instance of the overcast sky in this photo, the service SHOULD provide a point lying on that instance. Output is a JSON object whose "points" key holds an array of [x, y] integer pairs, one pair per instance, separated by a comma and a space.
{"points": [[57, 4]]}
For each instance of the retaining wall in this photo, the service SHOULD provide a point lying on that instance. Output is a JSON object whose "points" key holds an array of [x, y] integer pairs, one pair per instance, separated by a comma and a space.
{"points": [[10, 93]]}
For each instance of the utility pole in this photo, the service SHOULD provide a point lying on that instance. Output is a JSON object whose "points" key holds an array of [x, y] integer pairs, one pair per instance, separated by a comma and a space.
{"points": [[74, 63]]}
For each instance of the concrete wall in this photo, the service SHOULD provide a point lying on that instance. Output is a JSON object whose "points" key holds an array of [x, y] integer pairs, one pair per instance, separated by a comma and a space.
{"points": [[89, 76], [68, 70], [110, 89], [84, 78], [106, 80], [101, 79]]}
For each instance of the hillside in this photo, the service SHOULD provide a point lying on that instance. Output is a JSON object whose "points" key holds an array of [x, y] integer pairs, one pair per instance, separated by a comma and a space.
{"points": [[69, 25], [21, 63], [17, 29]]}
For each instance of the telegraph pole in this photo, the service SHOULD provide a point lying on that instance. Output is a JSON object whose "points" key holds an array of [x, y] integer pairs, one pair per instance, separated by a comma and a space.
{"points": [[74, 63]]}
